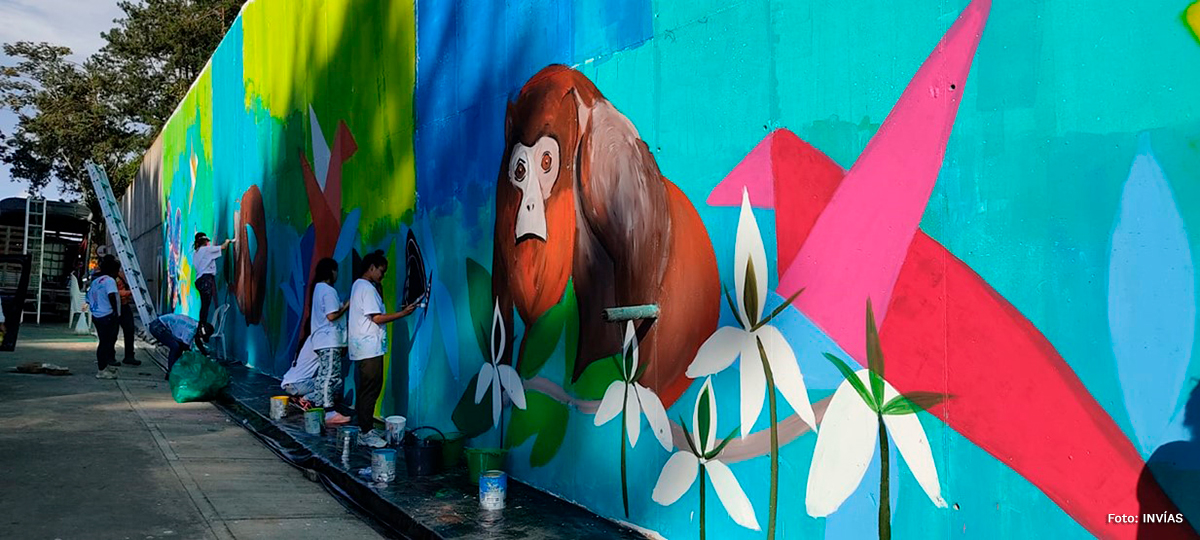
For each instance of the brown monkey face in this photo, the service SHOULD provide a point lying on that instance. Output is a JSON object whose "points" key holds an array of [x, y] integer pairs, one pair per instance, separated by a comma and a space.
{"points": [[533, 170]]}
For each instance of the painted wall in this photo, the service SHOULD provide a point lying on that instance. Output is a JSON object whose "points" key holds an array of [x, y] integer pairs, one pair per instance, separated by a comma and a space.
{"points": [[959, 224]]}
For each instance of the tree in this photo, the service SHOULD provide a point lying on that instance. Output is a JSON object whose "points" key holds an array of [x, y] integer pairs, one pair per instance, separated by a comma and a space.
{"points": [[109, 108]]}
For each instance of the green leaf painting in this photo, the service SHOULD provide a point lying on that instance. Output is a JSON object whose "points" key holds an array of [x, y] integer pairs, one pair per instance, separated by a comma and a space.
{"points": [[479, 288], [751, 295], [874, 355], [597, 377], [851, 378], [544, 418], [912, 402], [542, 339], [472, 419]]}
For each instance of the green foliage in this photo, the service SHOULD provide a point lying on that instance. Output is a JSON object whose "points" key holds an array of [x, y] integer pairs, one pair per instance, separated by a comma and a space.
{"points": [[750, 293], [703, 418], [874, 355], [849, 374], [597, 377], [544, 335], [473, 419], [912, 402], [543, 417], [109, 107], [778, 309], [479, 290]]}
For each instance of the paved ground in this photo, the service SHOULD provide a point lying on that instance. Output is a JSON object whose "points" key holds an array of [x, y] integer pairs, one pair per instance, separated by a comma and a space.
{"points": [[88, 458]]}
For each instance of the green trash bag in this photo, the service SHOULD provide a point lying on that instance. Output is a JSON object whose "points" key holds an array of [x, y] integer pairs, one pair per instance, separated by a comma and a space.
{"points": [[196, 377]]}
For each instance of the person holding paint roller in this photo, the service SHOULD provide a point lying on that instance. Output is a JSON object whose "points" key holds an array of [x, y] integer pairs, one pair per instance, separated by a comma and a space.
{"points": [[204, 260], [367, 343]]}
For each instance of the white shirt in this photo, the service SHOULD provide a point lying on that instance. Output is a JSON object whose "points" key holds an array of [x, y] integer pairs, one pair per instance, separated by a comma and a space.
{"points": [[205, 260], [181, 326], [305, 367], [97, 296], [366, 338], [327, 334]]}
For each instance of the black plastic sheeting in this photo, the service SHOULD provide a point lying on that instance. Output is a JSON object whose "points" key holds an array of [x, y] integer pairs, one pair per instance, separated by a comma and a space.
{"points": [[445, 505]]}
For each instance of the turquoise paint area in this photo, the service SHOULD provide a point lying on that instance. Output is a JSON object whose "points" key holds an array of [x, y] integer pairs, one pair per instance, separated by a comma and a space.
{"points": [[1028, 196]]}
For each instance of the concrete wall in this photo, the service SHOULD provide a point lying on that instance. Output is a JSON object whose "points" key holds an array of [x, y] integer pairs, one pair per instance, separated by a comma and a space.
{"points": [[142, 207], [984, 206]]}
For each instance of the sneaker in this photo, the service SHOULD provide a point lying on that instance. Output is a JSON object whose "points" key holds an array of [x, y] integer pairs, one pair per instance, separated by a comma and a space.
{"points": [[372, 439], [334, 418], [107, 373], [131, 362]]}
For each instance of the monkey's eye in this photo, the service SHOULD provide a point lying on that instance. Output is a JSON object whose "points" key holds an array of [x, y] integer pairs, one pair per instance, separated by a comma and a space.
{"points": [[547, 161], [520, 170]]}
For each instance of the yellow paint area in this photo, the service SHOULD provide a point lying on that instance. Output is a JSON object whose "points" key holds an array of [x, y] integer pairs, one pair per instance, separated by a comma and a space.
{"points": [[1192, 18]]}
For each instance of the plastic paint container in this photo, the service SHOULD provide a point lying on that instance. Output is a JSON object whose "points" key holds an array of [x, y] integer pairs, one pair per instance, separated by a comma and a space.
{"points": [[279, 407], [395, 429], [493, 487], [314, 421], [383, 464]]}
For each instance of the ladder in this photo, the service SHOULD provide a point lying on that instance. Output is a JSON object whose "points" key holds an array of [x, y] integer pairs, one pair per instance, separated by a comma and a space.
{"points": [[35, 243], [119, 234]]}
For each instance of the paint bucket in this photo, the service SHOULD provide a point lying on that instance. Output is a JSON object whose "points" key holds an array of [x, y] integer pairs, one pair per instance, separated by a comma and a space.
{"points": [[314, 420], [278, 407], [423, 455], [493, 487], [383, 464], [452, 451], [395, 429], [484, 459]]}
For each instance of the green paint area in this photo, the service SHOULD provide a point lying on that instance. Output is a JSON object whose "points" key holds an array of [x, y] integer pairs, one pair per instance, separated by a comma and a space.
{"points": [[300, 58]]}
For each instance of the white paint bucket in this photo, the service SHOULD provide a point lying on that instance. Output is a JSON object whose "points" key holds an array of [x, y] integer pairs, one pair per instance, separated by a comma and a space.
{"points": [[395, 429]]}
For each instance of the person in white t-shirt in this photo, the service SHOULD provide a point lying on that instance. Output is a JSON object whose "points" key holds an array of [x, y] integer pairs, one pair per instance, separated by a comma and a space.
{"points": [[300, 380], [102, 300], [204, 261], [368, 343], [327, 324]]}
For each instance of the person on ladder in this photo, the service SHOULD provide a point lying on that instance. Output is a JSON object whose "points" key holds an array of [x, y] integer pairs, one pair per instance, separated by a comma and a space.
{"points": [[126, 320], [204, 260]]}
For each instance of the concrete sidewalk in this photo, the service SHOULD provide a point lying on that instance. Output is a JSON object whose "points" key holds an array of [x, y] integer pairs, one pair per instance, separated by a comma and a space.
{"points": [[88, 458]]}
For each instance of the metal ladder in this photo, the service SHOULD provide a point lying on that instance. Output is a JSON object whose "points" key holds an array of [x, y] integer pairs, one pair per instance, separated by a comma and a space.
{"points": [[35, 243], [119, 234]]}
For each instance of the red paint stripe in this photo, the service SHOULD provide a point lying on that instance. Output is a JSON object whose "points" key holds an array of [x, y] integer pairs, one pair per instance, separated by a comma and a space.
{"points": [[1015, 397], [1013, 394]]}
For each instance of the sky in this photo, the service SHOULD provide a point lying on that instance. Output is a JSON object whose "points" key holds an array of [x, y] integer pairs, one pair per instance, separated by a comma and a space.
{"points": [[74, 23]]}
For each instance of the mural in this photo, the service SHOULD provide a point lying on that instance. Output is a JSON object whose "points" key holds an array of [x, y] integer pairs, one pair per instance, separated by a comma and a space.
{"points": [[593, 208], [922, 284]]}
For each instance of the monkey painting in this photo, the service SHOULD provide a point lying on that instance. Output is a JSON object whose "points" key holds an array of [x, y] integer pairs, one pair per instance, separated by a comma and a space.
{"points": [[251, 278], [580, 197]]}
